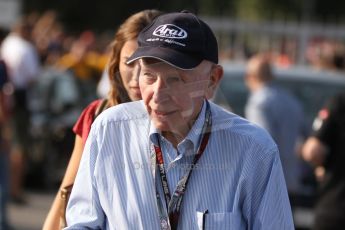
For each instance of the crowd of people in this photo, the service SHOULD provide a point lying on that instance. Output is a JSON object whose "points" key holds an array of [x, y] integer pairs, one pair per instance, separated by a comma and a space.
{"points": [[174, 160], [319, 54], [44, 70]]}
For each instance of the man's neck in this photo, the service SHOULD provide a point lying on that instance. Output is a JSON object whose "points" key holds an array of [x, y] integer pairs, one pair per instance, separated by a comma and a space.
{"points": [[173, 138], [179, 133]]}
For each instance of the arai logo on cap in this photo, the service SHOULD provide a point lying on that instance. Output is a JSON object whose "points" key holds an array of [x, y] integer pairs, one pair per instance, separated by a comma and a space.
{"points": [[170, 31]]}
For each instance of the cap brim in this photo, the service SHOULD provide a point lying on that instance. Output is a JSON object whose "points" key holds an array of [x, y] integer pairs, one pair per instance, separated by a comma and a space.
{"points": [[172, 57]]}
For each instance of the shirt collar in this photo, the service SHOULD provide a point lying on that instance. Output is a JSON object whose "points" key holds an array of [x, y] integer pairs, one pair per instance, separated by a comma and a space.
{"points": [[193, 135]]}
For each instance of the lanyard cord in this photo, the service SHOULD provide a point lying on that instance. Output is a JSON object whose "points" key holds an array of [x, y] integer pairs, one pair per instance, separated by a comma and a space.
{"points": [[173, 204]]}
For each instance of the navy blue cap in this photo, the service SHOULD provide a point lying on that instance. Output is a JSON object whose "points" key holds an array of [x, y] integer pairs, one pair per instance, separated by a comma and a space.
{"points": [[179, 39]]}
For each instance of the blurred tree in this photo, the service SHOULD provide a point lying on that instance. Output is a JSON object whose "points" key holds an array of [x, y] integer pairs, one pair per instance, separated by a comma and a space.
{"points": [[107, 14], [102, 14], [330, 10], [268, 9], [306, 10], [86, 14], [217, 7]]}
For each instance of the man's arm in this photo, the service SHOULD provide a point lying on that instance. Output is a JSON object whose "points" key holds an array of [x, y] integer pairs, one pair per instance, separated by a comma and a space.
{"points": [[314, 151], [84, 209], [272, 208]]}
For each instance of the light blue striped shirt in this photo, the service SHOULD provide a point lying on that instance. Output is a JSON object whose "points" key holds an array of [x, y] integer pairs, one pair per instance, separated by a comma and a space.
{"points": [[239, 178]]}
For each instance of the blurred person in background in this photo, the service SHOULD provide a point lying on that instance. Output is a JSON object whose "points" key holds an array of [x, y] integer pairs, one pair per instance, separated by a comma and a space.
{"points": [[123, 88], [47, 33], [23, 64], [103, 86], [326, 55], [4, 139], [277, 111], [86, 65], [325, 149], [282, 57]]}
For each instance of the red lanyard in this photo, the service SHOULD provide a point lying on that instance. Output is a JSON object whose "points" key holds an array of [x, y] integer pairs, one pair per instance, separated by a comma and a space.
{"points": [[173, 204]]}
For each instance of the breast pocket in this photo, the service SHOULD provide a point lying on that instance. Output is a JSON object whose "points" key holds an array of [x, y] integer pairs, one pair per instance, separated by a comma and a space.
{"points": [[220, 221]]}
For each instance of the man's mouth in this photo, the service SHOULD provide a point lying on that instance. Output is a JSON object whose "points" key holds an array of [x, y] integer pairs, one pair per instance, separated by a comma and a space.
{"points": [[163, 113]]}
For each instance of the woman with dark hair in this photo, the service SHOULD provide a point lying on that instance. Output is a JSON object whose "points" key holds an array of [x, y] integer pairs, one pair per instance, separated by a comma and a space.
{"points": [[124, 88]]}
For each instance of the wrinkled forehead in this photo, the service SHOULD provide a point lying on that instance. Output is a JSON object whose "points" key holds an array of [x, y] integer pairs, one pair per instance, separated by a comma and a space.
{"points": [[149, 61], [157, 65]]}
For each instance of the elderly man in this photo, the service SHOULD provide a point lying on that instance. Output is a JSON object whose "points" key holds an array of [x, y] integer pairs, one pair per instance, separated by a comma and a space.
{"points": [[175, 160]]}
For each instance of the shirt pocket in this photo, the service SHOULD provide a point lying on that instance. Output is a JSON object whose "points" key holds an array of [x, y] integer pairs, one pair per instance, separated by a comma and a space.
{"points": [[219, 221]]}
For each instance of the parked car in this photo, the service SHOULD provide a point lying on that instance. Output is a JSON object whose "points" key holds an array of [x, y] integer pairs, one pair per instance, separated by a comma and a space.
{"points": [[55, 104], [312, 87]]}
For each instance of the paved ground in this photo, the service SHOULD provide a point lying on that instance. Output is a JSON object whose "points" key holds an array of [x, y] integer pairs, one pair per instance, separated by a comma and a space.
{"points": [[31, 215]]}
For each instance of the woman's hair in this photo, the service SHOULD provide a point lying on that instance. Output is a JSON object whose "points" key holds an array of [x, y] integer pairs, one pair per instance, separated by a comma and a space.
{"points": [[129, 30]]}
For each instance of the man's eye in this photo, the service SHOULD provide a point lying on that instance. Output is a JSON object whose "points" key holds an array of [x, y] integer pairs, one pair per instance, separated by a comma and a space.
{"points": [[171, 80], [149, 76]]}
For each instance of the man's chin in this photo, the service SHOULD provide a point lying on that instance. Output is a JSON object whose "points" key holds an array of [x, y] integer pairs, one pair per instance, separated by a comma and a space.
{"points": [[162, 125]]}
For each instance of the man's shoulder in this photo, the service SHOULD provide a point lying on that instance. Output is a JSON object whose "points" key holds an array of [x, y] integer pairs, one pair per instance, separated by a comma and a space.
{"points": [[239, 127], [125, 112]]}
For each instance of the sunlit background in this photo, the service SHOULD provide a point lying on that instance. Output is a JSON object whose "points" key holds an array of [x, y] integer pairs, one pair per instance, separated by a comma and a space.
{"points": [[305, 35]]}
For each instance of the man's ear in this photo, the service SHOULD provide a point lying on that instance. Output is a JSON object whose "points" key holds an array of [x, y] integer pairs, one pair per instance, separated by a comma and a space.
{"points": [[216, 75]]}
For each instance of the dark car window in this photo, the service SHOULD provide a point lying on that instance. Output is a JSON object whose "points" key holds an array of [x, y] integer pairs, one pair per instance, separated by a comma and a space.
{"points": [[232, 94], [312, 95]]}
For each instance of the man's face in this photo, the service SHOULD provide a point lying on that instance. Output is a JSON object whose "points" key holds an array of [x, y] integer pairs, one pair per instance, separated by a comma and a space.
{"points": [[173, 97]]}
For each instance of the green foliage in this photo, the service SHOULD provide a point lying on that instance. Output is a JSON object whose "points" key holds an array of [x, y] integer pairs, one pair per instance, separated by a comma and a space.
{"points": [[107, 14], [217, 7], [268, 9], [86, 14]]}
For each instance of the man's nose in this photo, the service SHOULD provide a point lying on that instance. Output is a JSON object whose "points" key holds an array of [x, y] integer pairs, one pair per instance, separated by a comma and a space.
{"points": [[136, 72], [161, 91]]}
